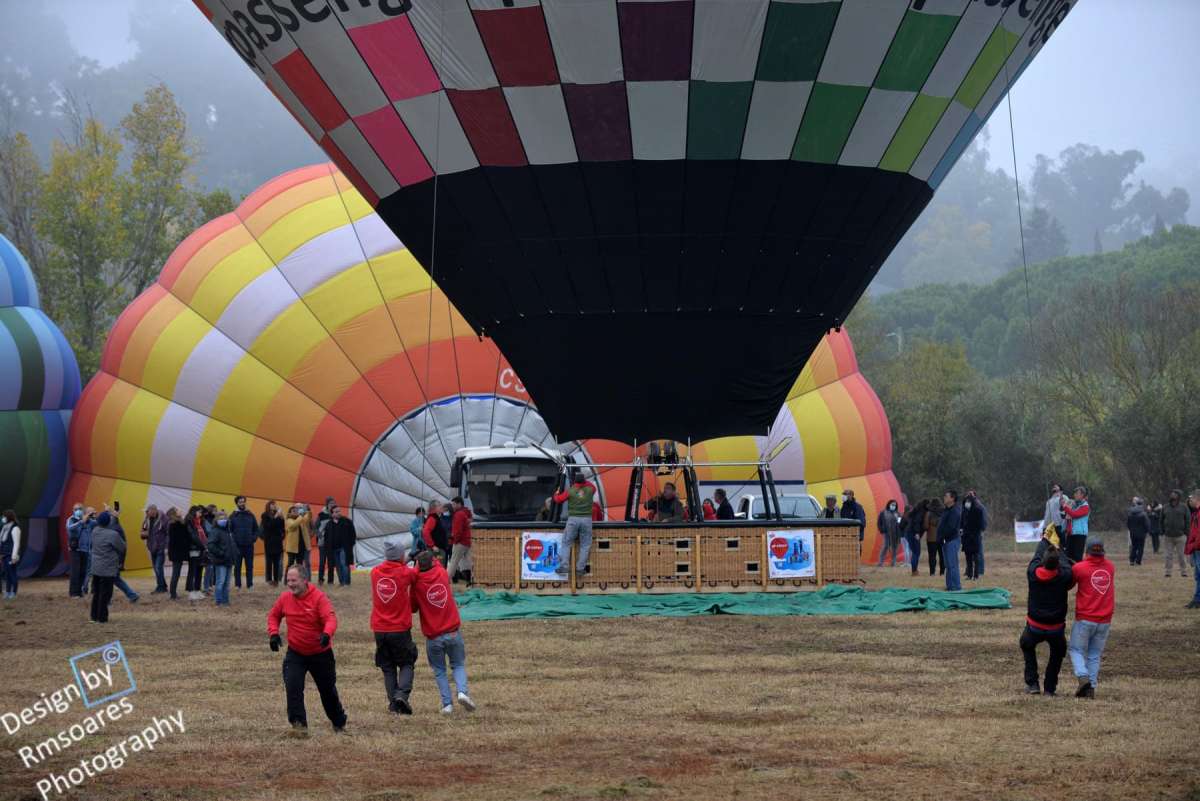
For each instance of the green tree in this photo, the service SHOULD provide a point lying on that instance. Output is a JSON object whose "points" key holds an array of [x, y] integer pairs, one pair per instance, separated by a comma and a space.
{"points": [[20, 205], [1045, 239], [81, 221]]}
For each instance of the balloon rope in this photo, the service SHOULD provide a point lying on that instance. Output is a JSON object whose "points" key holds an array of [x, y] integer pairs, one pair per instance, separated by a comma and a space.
{"points": [[437, 159], [1012, 138]]}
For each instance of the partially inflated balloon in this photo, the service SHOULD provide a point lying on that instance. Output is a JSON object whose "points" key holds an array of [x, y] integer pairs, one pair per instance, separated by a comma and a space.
{"points": [[722, 176], [294, 350], [39, 385]]}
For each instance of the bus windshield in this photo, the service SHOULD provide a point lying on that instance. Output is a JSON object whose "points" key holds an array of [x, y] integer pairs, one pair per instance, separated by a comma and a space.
{"points": [[508, 489]]}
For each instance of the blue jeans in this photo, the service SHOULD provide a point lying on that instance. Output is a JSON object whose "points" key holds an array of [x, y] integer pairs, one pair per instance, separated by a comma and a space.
{"points": [[436, 650], [914, 550], [120, 584], [244, 555], [577, 528], [1196, 574], [343, 567], [221, 593], [210, 576], [159, 561], [950, 551], [1087, 644]]}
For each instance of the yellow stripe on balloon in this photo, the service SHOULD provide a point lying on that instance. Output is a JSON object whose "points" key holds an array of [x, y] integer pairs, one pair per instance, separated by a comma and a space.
{"points": [[819, 434], [399, 275], [135, 436], [356, 205], [229, 277], [270, 213], [347, 295], [247, 393], [206, 258], [369, 339], [726, 449], [302, 225], [852, 437], [288, 339], [171, 351], [221, 458]]}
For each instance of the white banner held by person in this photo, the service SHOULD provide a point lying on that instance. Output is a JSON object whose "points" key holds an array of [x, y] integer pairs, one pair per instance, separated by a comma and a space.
{"points": [[1027, 532]]}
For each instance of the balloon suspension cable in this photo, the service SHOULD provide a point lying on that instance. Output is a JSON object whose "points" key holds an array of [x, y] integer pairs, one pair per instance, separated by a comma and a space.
{"points": [[437, 160], [1012, 139]]}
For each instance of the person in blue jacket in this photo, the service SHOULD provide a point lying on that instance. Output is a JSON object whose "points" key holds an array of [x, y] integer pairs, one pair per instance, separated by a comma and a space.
{"points": [[243, 527], [853, 510]]}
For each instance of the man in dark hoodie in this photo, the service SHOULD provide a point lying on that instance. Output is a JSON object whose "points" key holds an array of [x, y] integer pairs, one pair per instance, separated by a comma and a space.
{"points": [[949, 538], [340, 529], [391, 622], [243, 526], [1050, 580], [1139, 527]]}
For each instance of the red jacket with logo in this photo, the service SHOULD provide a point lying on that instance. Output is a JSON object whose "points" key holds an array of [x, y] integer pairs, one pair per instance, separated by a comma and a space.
{"points": [[1096, 596], [433, 598], [460, 528], [308, 616], [1193, 540], [391, 606]]}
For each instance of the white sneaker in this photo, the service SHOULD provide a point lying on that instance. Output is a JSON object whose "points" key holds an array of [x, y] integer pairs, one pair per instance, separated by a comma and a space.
{"points": [[448, 709], [465, 702]]}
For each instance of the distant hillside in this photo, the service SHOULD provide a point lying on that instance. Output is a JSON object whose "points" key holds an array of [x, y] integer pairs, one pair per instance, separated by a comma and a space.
{"points": [[991, 320]]}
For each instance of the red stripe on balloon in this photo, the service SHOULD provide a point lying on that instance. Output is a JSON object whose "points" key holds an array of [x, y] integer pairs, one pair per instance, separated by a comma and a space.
{"points": [[310, 88], [489, 126], [126, 325], [396, 58], [518, 44], [83, 419]]}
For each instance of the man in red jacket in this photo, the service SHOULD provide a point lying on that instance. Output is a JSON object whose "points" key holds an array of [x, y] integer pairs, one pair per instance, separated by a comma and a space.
{"points": [[391, 621], [311, 624], [460, 541], [1192, 546], [433, 598], [1095, 600]]}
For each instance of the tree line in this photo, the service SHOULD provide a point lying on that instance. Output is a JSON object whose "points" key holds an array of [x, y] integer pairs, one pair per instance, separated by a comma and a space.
{"points": [[98, 220], [1088, 374]]}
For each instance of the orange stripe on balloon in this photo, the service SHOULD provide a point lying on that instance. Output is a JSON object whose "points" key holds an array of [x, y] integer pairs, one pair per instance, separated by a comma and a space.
{"points": [[290, 419], [334, 443], [361, 408], [190, 246], [193, 272], [143, 339], [126, 324], [319, 187], [271, 471], [326, 377], [276, 186], [878, 433], [83, 420], [852, 440], [318, 480]]}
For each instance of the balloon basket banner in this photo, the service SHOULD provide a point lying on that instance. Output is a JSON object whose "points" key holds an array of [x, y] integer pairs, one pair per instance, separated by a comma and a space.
{"points": [[637, 558], [1027, 532]]}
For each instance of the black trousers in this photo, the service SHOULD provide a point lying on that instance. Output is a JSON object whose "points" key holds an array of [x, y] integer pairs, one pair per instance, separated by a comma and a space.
{"points": [[1075, 546], [324, 673], [176, 569], [1058, 649], [195, 574], [972, 564], [102, 590], [244, 555], [78, 567], [274, 569], [327, 556], [1137, 546], [935, 553], [1154, 539], [395, 655]]}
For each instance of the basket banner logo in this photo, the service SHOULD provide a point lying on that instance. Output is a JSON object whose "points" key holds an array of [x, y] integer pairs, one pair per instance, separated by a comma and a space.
{"points": [[791, 554], [541, 556]]}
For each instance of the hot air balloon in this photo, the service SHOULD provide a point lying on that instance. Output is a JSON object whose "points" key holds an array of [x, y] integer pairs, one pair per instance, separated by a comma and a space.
{"points": [[39, 388], [720, 177], [294, 350]]}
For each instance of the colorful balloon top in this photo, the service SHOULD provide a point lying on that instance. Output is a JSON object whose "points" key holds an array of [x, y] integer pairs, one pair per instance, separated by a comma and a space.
{"points": [[294, 350], [17, 287], [728, 173]]}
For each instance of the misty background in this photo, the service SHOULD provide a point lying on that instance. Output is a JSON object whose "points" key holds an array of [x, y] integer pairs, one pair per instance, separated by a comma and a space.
{"points": [[1105, 122]]}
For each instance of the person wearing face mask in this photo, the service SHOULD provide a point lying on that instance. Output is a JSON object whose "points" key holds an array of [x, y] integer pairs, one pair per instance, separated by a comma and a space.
{"points": [[77, 563], [10, 551], [889, 532], [972, 534], [221, 550], [853, 510]]}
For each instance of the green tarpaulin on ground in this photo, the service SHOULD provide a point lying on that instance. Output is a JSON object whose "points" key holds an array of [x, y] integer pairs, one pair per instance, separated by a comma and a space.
{"points": [[830, 600]]}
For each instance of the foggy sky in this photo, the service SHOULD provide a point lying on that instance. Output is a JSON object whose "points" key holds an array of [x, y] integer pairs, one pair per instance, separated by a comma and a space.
{"points": [[1116, 75]]}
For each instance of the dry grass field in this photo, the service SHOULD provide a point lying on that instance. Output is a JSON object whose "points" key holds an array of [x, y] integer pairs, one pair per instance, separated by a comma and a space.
{"points": [[911, 706]]}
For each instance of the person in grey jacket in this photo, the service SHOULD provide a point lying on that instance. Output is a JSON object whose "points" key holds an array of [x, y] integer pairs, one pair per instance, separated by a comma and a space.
{"points": [[1175, 521], [1054, 513], [243, 525], [108, 555], [222, 552]]}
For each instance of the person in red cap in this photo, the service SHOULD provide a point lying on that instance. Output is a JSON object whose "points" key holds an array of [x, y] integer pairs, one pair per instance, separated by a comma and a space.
{"points": [[433, 598], [1095, 600], [391, 622], [311, 625]]}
